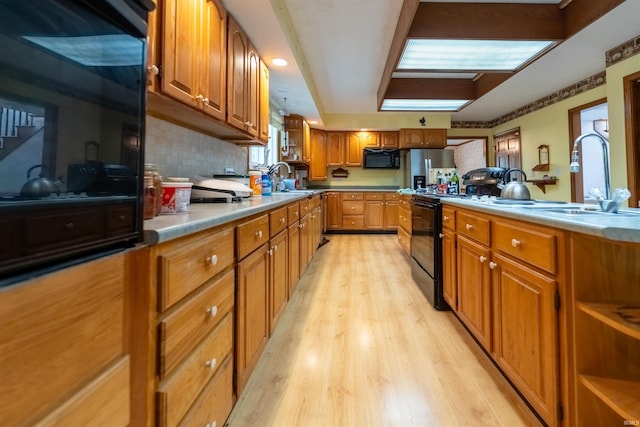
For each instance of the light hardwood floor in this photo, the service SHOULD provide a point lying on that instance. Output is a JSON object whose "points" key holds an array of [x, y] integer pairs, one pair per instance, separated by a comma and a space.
{"points": [[358, 345]]}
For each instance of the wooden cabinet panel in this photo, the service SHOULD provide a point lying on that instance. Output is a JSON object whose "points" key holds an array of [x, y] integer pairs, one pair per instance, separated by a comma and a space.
{"points": [[294, 257], [449, 218], [353, 149], [119, 219], [180, 50], [374, 214], [104, 402], [350, 195], [278, 220], [404, 239], [389, 139], [353, 207], [278, 277], [59, 330], [177, 393], [251, 235], [318, 159], [334, 210], [525, 332], [213, 56], [474, 289], [180, 331], [474, 225], [534, 245], [335, 148], [293, 212], [423, 138], [449, 282], [237, 57], [44, 232], [263, 127], [353, 222], [252, 91], [391, 217], [252, 311], [305, 236], [187, 264], [214, 404], [371, 195]]}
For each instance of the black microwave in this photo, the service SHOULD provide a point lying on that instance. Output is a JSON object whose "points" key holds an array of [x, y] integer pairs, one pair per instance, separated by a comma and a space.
{"points": [[72, 110], [375, 158]]}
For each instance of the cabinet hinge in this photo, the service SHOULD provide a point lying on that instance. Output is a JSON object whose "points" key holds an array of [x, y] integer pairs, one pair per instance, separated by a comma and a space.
{"points": [[560, 411], [556, 300]]}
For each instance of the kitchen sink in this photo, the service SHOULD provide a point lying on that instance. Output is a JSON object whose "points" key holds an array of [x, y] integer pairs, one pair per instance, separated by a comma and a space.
{"points": [[577, 210]]}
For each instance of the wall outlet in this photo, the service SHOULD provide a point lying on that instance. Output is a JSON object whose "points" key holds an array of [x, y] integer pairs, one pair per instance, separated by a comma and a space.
{"points": [[229, 171]]}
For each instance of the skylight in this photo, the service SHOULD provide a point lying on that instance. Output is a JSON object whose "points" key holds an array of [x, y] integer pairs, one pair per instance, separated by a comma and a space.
{"points": [[423, 104], [480, 55], [109, 50]]}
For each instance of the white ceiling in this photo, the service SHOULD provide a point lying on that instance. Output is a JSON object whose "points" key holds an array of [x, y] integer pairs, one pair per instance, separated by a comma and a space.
{"points": [[337, 50]]}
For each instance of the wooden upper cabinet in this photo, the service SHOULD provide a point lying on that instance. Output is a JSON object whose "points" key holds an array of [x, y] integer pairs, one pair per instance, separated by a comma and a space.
{"points": [[335, 148], [193, 54], [318, 156], [237, 57], [263, 134], [306, 143], [214, 63], [253, 91], [423, 138], [297, 140], [181, 46], [355, 142], [389, 139]]}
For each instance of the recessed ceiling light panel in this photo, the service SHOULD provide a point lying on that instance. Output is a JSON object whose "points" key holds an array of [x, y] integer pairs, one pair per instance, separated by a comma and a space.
{"points": [[423, 104], [279, 62], [464, 55]]}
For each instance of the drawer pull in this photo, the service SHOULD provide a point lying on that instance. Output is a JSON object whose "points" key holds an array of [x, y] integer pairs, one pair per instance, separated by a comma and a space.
{"points": [[211, 364], [300, 225], [70, 226], [275, 247], [270, 252], [441, 235], [483, 258], [492, 265], [212, 424], [213, 259], [122, 217], [353, 208], [468, 226], [445, 218], [515, 243], [259, 234], [353, 223], [212, 311], [281, 220]]}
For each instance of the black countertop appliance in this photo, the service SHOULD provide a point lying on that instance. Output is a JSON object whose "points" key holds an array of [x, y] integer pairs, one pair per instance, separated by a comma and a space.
{"points": [[483, 181]]}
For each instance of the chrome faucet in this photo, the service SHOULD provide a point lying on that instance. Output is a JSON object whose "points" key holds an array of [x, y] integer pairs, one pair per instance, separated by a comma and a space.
{"points": [[574, 167], [274, 167]]}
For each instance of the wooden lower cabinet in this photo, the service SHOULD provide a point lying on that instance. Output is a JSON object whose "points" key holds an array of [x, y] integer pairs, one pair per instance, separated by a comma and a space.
{"points": [[525, 325], [334, 210], [278, 277], [252, 311], [474, 289], [374, 215], [305, 243], [294, 257], [391, 207], [64, 346], [449, 258]]}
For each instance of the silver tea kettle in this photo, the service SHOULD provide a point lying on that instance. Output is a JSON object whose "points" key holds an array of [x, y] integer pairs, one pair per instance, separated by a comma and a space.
{"points": [[40, 186], [514, 190]]}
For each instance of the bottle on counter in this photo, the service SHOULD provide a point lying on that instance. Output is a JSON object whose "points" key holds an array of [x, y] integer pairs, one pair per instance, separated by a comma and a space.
{"points": [[266, 185], [149, 198], [152, 170], [454, 186]]}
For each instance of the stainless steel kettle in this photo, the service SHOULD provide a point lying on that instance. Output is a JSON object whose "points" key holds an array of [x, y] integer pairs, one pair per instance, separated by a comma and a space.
{"points": [[40, 186], [514, 190]]}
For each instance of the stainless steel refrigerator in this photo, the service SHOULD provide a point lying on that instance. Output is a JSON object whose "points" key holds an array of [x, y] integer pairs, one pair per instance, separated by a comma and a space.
{"points": [[420, 165]]}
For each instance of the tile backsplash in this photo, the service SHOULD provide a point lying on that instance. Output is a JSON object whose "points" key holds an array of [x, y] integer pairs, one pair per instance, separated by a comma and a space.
{"points": [[183, 152]]}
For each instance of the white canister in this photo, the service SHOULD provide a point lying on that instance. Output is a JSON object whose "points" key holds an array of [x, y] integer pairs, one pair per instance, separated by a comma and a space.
{"points": [[176, 195]]}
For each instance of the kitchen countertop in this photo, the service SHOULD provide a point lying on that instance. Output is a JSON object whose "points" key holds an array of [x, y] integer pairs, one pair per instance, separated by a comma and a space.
{"points": [[202, 216], [623, 227]]}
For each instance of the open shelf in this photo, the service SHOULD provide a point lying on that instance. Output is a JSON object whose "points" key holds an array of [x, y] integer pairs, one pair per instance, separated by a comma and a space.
{"points": [[622, 396], [542, 183], [621, 317]]}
